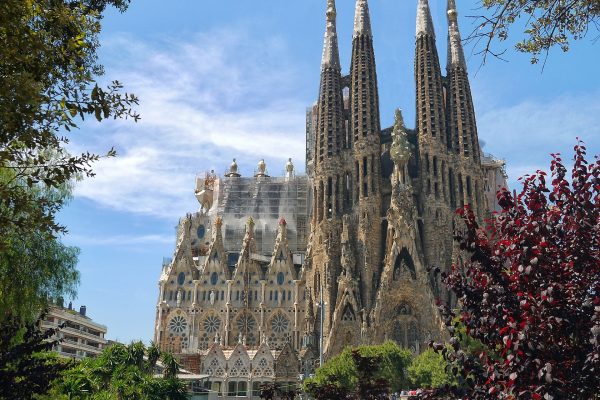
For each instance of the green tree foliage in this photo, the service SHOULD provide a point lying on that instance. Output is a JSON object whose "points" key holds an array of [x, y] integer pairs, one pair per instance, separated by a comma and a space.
{"points": [[48, 73], [345, 375], [33, 266], [122, 373], [429, 370], [27, 368], [546, 24]]}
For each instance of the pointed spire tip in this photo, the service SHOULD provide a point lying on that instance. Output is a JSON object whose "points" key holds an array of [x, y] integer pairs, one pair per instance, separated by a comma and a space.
{"points": [[424, 20], [331, 55], [362, 19]]}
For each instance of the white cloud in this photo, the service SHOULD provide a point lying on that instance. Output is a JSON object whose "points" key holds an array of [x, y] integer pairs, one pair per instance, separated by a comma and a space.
{"points": [[528, 132], [119, 240], [217, 96]]}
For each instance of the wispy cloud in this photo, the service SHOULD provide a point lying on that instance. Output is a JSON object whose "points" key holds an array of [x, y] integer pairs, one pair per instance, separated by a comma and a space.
{"points": [[217, 96], [527, 133], [120, 240]]}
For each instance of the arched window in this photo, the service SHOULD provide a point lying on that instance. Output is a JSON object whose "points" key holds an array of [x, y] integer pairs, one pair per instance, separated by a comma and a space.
{"points": [[348, 314], [413, 336], [404, 264]]}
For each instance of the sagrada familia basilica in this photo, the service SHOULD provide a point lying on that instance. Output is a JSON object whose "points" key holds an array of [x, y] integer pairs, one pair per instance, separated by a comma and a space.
{"points": [[273, 272]]}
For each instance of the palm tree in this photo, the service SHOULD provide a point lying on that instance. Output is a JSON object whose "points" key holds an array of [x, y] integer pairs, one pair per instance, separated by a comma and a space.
{"points": [[153, 354]]}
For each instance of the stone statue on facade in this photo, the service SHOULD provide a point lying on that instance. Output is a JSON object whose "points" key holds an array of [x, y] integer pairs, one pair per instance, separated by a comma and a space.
{"points": [[179, 298]]}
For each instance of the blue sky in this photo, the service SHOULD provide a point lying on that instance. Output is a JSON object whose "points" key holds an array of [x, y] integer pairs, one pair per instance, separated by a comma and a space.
{"points": [[219, 79]]}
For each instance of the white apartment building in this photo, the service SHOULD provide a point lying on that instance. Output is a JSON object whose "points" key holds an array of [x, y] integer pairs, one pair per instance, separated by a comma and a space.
{"points": [[81, 337]]}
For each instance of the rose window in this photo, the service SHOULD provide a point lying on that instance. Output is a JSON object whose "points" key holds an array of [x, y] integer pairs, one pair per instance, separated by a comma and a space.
{"points": [[246, 323], [279, 324], [212, 324], [178, 325]]}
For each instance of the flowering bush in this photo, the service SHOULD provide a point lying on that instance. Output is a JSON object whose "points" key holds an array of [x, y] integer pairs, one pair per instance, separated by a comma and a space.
{"points": [[530, 292]]}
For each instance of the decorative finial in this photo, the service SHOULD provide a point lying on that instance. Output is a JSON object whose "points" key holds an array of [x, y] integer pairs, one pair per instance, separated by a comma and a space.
{"points": [[218, 222], [424, 21], [331, 56], [250, 222], [261, 168], [282, 221], [456, 55], [233, 170], [401, 148], [331, 11], [362, 19]]}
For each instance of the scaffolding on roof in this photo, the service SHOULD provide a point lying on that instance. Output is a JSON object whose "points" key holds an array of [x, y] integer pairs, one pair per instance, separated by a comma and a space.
{"points": [[266, 199]]}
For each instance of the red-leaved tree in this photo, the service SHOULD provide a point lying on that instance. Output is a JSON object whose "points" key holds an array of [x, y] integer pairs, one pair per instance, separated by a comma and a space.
{"points": [[530, 292]]}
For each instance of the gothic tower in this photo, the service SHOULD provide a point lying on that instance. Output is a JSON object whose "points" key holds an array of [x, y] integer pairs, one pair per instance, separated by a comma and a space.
{"points": [[432, 147], [462, 128], [365, 130], [328, 173]]}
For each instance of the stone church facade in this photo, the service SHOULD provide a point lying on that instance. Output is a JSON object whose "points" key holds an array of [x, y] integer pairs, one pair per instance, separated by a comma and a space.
{"points": [[337, 257]]}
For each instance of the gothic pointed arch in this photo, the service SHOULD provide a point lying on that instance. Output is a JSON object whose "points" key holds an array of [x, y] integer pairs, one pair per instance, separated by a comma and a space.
{"points": [[404, 265], [281, 260], [214, 362], [216, 257], [263, 363], [238, 364], [247, 266]]}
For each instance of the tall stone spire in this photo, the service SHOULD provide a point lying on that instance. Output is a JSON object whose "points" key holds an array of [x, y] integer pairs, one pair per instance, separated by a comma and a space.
{"points": [[329, 164], [331, 54], [456, 55], [462, 127], [461, 114], [362, 19], [330, 130], [364, 96], [366, 131], [431, 121], [424, 21]]}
